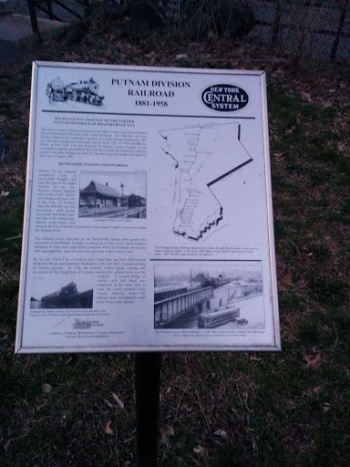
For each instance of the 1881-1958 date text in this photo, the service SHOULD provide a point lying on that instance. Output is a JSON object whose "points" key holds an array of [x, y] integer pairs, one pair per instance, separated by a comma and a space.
{"points": [[147, 103]]}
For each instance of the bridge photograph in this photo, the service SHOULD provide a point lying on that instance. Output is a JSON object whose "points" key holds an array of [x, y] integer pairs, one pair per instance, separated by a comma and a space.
{"points": [[60, 292], [193, 295]]}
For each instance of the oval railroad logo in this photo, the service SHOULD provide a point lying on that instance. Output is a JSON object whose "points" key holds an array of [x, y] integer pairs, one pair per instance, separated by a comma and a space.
{"points": [[225, 97]]}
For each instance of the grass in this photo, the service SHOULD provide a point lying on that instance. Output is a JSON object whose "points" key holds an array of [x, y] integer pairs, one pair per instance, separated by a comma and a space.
{"points": [[217, 409]]}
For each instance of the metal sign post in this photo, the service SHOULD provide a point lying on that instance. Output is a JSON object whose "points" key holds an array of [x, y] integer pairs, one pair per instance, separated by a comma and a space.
{"points": [[147, 387]]}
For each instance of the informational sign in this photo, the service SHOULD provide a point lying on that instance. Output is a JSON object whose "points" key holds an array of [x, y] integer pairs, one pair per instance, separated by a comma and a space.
{"points": [[148, 220]]}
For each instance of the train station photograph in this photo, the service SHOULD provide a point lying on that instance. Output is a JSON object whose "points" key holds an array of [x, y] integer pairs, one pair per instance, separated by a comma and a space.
{"points": [[113, 195]]}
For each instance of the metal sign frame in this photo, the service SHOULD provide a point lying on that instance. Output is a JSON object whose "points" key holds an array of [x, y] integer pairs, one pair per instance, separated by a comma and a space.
{"points": [[148, 221]]}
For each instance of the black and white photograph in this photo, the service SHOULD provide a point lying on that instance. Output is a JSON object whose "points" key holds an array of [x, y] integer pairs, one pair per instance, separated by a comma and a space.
{"points": [[113, 195], [61, 292], [84, 91], [206, 295]]}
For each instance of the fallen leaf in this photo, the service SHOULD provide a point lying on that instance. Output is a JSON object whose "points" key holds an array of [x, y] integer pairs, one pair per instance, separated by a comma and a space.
{"points": [[46, 387], [326, 407], [200, 450], [254, 358], [39, 407], [312, 361], [306, 96], [164, 436], [221, 433], [107, 429], [118, 401], [107, 402]]}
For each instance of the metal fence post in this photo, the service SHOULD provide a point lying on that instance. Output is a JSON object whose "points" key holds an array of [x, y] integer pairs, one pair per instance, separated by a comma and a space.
{"points": [[339, 30], [276, 23], [33, 17]]}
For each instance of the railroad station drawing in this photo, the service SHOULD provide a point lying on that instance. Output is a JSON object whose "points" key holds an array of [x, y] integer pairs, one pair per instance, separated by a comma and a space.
{"points": [[208, 295], [82, 91], [203, 156], [120, 194]]}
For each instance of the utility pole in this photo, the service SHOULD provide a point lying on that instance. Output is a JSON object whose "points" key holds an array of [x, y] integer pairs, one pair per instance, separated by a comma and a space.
{"points": [[122, 187]]}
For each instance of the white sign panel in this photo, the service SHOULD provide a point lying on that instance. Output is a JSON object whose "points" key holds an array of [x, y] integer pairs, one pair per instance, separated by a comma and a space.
{"points": [[148, 221]]}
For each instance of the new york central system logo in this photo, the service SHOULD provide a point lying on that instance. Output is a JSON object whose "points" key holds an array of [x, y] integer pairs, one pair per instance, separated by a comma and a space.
{"points": [[225, 97]]}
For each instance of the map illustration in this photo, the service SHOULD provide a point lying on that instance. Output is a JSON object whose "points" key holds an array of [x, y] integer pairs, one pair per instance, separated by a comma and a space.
{"points": [[203, 156]]}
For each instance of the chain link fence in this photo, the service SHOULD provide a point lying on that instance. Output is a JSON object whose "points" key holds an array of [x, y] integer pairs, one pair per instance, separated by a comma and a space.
{"points": [[316, 28], [305, 28], [319, 29]]}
